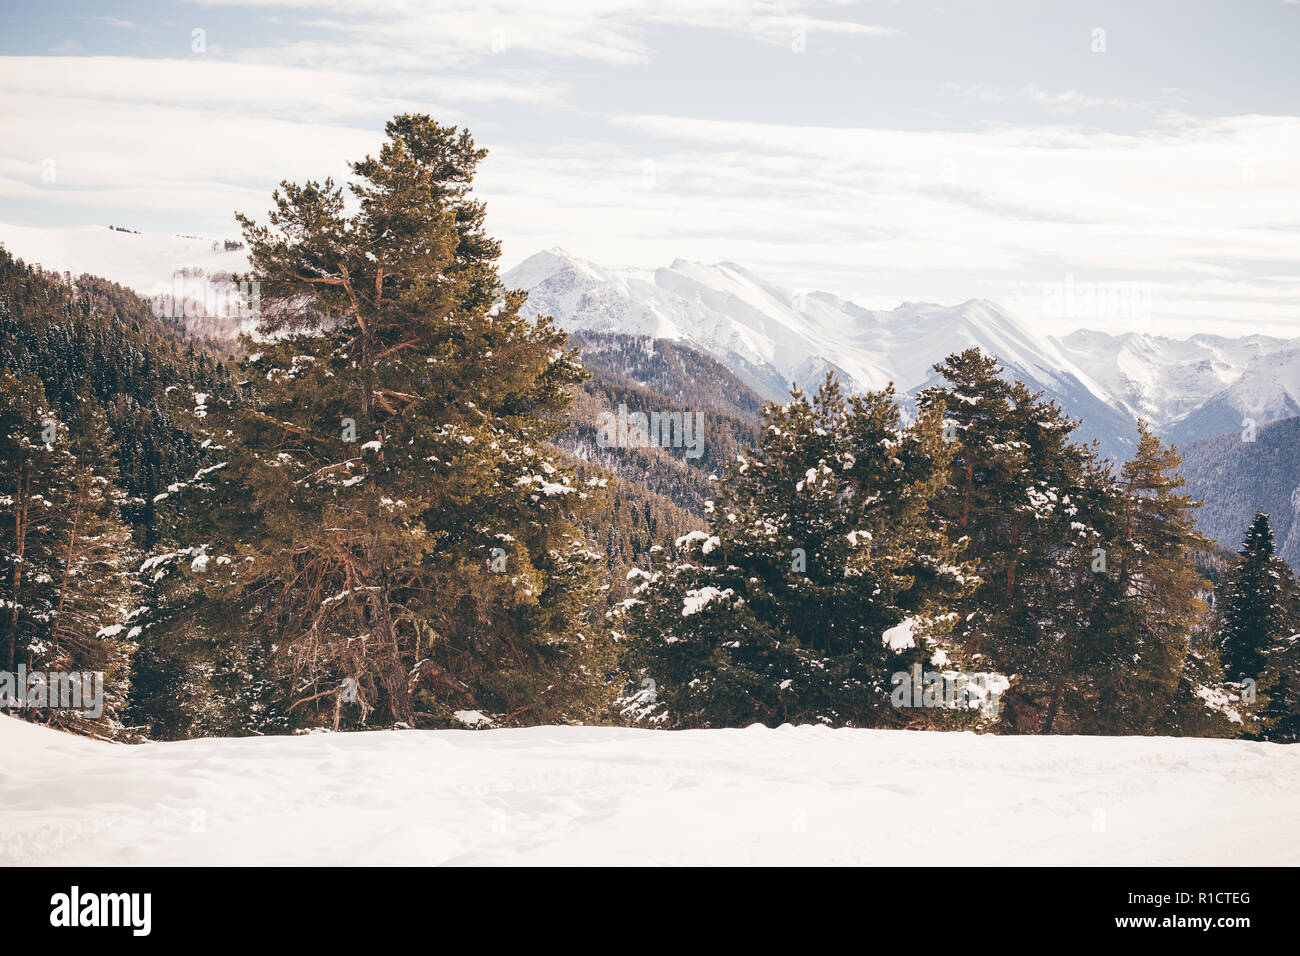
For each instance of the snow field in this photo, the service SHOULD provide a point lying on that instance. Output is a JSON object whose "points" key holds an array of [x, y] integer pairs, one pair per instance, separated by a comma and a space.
{"points": [[589, 795]]}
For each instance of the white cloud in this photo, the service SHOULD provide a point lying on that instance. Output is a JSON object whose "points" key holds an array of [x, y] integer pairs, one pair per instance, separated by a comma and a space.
{"points": [[1065, 101], [406, 34], [1204, 210]]}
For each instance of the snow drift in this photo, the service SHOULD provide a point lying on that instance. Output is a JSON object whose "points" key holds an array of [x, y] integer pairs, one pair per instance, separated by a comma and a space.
{"points": [[588, 795]]}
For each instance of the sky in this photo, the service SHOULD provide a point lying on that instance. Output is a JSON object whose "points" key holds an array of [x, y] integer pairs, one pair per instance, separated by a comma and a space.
{"points": [[1110, 165]]}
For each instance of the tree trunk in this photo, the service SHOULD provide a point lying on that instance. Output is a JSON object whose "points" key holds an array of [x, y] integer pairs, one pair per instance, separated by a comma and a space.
{"points": [[67, 571], [20, 546], [1057, 693]]}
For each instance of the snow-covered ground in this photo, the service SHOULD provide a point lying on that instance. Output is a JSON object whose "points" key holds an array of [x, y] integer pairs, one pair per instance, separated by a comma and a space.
{"points": [[144, 261], [586, 795]]}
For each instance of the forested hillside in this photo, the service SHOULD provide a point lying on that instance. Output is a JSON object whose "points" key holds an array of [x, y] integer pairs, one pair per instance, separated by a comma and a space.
{"points": [[94, 343], [1245, 472]]}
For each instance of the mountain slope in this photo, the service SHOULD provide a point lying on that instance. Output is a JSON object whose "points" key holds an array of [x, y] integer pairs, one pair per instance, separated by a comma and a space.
{"points": [[138, 260], [1267, 391], [1163, 379], [681, 375], [183, 277], [1237, 478], [94, 341], [770, 337]]}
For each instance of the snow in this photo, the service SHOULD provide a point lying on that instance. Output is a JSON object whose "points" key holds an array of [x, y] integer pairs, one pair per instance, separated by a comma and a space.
{"points": [[741, 319], [610, 796], [769, 337], [697, 599], [1164, 380], [901, 636], [744, 320], [142, 261]]}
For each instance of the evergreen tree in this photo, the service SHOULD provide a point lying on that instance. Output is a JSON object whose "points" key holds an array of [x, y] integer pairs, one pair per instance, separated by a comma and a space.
{"points": [[36, 469], [1016, 496], [817, 548], [384, 506], [1252, 612], [1281, 716], [1256, 620], [66, 551], [98, 555], [1153, 678]]}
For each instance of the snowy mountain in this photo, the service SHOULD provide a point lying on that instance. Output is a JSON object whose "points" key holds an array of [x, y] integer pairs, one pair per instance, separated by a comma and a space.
{"points": [[141, 261], [1196, 387], [769, 337], [1268, 390], [776, 336]]}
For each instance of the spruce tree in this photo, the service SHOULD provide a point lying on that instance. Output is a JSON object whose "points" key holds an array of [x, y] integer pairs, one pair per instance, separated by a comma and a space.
{"points": [[1252, 611], [1154, 679], [1255, 626]]}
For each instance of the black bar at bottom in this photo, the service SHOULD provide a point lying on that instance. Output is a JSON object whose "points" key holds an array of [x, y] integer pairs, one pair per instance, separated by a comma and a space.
{"points": [[960, 905]]}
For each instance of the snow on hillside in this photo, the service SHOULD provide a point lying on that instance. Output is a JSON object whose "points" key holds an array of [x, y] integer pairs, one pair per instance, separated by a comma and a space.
{"points": [[732, 314], [145, 262], [769, 336], [1163, 379], [587, 795]]}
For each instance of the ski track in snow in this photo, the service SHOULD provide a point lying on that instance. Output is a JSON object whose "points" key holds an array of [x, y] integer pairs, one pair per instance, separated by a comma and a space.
{"points": [[588, 795]]}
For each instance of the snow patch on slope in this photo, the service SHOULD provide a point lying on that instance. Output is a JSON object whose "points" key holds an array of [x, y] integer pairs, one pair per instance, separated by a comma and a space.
{"points": [[142, 261], [732, 314]]}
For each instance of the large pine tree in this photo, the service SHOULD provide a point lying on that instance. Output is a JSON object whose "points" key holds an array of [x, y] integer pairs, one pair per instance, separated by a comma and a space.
{"points": [[1016, 496], [384, 520]]}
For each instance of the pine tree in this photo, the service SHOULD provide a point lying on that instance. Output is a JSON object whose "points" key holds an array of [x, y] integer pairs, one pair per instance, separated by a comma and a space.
{"points": [[1281, 716], [1256, 620], [384, 507], [36, 467], [1252, 612], [818, 545], [1016, 497], [67, 552], [1154, 679], [98, 556]]}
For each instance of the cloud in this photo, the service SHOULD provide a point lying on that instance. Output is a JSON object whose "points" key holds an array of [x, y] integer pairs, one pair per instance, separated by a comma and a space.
{"points": [[1204, 210], [1066, 101], [405, 34]]}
